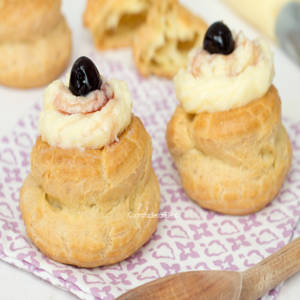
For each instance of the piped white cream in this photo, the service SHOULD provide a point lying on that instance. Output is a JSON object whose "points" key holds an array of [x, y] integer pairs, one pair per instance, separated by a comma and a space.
{"points": [[90, 130], [214, 82]]}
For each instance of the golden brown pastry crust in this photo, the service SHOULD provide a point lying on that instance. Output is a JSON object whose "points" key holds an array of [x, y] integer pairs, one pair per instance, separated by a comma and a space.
{"points": [[89, 208], [35, 43], [235, 161], [23, 20], [162, 44], [114, 22]]}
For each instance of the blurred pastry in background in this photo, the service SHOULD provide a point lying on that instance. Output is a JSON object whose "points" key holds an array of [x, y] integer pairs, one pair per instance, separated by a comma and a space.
{"points": [[114, 22], [278, 19], [162, 44], [35, 42], [226, 135]]}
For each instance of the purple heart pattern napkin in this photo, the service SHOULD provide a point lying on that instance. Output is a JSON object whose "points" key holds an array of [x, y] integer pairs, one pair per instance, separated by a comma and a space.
{"points": [[187, 238]]}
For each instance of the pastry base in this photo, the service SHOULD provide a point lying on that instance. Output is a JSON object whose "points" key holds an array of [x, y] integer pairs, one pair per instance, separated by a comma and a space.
{"points": [[92, 207], [86, 238]]}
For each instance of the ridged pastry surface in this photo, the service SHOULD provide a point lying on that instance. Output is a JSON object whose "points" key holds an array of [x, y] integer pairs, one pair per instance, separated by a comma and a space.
{"points": [[90, 208], [233, 161]]}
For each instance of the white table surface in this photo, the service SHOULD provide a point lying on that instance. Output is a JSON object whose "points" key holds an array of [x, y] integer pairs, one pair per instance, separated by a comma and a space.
{"points": [[16, 284]]}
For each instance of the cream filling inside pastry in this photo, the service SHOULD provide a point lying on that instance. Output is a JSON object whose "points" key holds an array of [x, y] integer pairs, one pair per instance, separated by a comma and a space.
{"points": [[214, 82], [89, 130]]}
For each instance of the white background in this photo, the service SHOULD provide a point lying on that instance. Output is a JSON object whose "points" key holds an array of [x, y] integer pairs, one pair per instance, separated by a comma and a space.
{"points": [[16, 284]]}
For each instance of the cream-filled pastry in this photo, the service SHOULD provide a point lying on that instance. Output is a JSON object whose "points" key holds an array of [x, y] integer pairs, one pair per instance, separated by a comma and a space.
{"points": [[35, 42], [226, 136], [92, 197]]}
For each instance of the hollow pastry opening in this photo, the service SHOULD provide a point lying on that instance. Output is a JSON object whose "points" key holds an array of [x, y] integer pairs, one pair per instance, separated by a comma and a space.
{"points": [[53, 202], [174, 51], [128, 22]]}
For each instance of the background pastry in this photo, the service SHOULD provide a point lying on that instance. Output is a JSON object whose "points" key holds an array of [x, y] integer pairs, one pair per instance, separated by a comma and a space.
{"points": [[226, 136], [162, 44], [92, 197], [35, 42], [114, 22]]}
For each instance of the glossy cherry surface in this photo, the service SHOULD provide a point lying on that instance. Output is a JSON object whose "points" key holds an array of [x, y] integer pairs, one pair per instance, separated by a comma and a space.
{"points": [[218, 39], [85, 77]]}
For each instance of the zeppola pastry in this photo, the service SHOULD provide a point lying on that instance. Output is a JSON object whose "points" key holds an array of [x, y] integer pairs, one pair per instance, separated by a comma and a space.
{"points": [[35, 42], [226, 136], [162, 44], [114, 22], [92, 197]]}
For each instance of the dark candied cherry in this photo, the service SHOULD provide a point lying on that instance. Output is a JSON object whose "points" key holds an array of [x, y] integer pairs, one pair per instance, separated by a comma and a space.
{"points": [[85, 77], [218, 39]]}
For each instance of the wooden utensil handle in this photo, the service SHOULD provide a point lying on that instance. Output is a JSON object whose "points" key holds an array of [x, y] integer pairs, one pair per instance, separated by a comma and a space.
{"points": [[264, 276]]}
